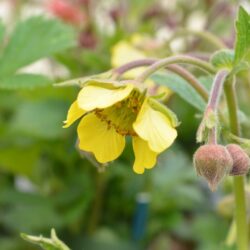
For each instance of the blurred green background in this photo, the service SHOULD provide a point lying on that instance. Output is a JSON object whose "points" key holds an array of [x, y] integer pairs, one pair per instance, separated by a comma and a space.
{"points": [[45, 183]]}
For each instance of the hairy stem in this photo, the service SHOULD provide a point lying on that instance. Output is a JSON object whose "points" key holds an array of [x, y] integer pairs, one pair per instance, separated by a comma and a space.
{"points": [[205, 66], [174, 68], [211, 111], [239, 181], [217, 89]]}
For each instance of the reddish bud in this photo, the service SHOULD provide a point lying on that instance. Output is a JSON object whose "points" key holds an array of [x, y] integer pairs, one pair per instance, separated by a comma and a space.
{"points": [[241, 160], [67, 11], [87, 39], [212, 162]]}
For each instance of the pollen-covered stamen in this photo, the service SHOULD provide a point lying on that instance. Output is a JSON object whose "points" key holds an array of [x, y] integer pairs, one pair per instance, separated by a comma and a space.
{"points": [[122, 115]]}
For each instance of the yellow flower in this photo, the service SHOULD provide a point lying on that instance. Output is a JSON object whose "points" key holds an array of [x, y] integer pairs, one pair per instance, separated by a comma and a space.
{"points": [[124, 52], [110, 112]]}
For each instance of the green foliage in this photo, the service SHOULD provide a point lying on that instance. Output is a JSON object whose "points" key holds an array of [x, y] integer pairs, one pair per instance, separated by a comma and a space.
{"points": [[58, 188], [12, 160], [239, 59], [242, 46], [24, 81], [31, 40], [41, 119], [180, 87]]}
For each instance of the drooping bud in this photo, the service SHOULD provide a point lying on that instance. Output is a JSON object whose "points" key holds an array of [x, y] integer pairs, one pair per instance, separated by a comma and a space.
{"points": [[241, 161], [212, 162]]}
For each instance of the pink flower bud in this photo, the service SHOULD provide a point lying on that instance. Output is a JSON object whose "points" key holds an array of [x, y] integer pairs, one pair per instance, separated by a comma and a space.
{"points": [[67, 11], [87, 39], [212, 162], [241, 160]]}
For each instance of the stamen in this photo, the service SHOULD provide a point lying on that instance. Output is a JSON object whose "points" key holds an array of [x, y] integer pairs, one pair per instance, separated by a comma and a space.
{"points": [[121, 115]]}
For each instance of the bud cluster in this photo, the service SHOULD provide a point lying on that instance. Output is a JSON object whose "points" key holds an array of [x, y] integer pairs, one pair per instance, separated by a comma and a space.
{"points": [[213, 162]]}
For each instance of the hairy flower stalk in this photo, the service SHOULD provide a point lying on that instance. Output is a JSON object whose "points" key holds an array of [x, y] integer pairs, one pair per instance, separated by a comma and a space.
{"points": [[111, 111], [174, 68], [209, 121], [212, 161], [183, 59]]}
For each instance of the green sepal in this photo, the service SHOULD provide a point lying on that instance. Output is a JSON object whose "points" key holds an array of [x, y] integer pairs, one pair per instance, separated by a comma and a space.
{"points": [[159, 96], [107, 83], [52, 243], [211, 119], [223, 59], [202, 133], [82, 81], [209, 122], [163, 109]]}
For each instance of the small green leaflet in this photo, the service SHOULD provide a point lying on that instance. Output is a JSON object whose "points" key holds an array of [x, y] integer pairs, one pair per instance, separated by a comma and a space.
{"points": [[180, 87], [239, 59], [242, 45], [223, 59]]}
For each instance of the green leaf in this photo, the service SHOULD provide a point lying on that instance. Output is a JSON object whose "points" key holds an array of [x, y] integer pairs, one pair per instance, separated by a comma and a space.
{"points": [[42, 119], [81, 81], [33, 39], [52, 243], [24, 81], [180, 87], [242, 46]]}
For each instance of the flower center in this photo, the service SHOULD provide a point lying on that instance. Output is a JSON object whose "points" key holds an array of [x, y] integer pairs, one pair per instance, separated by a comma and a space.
{"points": [[122, 115]]}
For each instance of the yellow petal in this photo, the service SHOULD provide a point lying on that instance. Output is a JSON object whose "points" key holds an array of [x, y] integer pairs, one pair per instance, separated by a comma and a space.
{"points": [[123, 52], [155, 128], [73, 114], [95, 136], [144, 156], [93, 96]]}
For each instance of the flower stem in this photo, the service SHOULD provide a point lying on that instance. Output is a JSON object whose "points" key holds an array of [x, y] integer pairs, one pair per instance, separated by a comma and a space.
{"points": [[173, 60], [239, 181], [214, 100], [191, 79], [211, 112], [133, 64], [174, 68], [217, 89]]}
